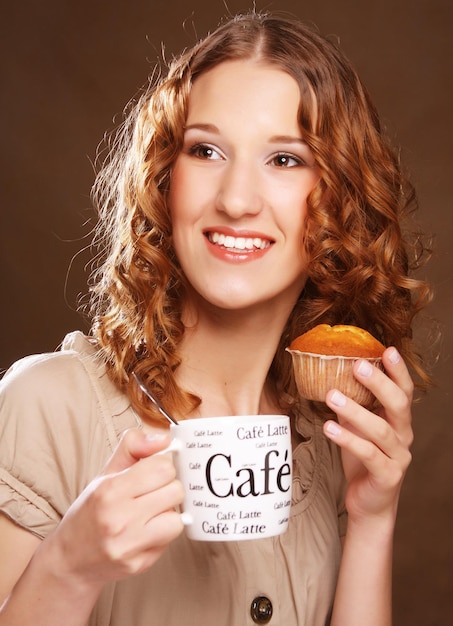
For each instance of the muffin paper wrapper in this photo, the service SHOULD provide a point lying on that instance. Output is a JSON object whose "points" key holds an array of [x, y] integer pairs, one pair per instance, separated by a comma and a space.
{"points": [[315, 374]]}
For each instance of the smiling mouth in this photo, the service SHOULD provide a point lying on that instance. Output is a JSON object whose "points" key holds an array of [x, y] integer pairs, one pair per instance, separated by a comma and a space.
{"points": [[238, 243]]}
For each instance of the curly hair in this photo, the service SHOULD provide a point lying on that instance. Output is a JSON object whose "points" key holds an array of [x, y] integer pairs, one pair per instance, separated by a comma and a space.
{"points": [[359, 259]]}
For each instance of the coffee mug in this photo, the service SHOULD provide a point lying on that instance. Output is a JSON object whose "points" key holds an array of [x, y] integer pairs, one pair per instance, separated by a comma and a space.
{"points": [[236, 472]]}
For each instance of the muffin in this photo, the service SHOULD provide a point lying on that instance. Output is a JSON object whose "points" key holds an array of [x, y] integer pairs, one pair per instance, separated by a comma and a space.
{"points": [[324, 356]]}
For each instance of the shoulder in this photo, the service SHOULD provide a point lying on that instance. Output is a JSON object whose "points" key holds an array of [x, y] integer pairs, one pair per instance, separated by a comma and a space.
{"points": [[61, 415], [64, 384], [45, 398], [60, 418], [72, 366]]}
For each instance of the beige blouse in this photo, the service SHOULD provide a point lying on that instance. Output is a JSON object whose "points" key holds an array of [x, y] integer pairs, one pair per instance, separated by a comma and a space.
{"points": [[60, 419]]}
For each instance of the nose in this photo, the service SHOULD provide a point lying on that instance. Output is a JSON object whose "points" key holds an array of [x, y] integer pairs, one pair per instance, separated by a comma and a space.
{"points": [[239, 191]]}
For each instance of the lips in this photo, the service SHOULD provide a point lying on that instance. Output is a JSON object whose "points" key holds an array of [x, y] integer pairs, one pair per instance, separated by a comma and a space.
{"points": [[240, 243]]}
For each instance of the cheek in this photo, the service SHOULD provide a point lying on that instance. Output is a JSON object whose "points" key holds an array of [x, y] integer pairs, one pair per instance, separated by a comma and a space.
{"points": [[176, 190], [186, 194], [183, 210], [294, 213]]}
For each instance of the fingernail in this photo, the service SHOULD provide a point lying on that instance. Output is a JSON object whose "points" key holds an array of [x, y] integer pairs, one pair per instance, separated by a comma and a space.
{"points": [[394, 356], [338, 398], [333, 428], [364, 368], [156, 436]]}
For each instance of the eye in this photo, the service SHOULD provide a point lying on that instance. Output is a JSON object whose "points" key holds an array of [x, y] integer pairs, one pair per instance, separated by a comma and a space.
{"points": [[283, 159], [205, 151]]}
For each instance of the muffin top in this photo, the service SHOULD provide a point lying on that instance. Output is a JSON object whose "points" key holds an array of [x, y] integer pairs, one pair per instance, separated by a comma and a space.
{"points": [[339, 340]]}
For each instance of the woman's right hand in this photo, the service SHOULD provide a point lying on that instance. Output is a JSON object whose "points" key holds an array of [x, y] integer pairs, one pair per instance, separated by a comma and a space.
{"points": [[118, 526], [125, 518]]}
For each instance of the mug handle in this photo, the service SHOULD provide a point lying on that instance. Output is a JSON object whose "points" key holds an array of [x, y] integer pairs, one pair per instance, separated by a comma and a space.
{"points": [[175, 446]]}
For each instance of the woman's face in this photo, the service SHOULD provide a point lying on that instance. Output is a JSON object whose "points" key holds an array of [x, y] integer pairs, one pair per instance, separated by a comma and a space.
{"points": [[239, 188]]}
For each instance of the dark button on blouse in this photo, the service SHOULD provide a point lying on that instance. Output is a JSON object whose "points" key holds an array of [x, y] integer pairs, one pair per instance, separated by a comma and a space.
{"points": [[261, 610]]}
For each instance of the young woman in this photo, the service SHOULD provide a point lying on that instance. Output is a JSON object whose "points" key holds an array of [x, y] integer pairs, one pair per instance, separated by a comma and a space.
{"points": [[250, 195]]}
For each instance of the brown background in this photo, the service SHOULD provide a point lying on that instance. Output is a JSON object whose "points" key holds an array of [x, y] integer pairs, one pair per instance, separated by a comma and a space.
{"points": [[68, 69]]}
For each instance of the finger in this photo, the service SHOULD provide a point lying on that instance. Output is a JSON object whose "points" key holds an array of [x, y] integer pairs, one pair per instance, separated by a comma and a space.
{"points": [[148, 476], [164, 528], [377, 460], [167, 498], [145, 477], [137, 548], [156, 536], [120, 515], [135, 445], [364, 425], [397, 371], [129, 525], [380, 383], [393, 389]]}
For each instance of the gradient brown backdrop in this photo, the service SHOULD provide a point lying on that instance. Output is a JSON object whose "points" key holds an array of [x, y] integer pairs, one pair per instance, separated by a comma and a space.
{"points": [[68, 69]]}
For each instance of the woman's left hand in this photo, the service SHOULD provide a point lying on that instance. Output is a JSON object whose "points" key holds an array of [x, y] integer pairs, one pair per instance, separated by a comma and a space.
{"points": [[375, 447]]}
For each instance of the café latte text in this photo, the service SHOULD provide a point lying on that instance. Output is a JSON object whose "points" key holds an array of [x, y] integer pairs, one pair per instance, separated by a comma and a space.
{"points": [[248, 481], [258, 431]]}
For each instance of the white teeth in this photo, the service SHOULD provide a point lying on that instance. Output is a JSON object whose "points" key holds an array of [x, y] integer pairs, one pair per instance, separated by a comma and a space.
{"points": [[238, 243]]}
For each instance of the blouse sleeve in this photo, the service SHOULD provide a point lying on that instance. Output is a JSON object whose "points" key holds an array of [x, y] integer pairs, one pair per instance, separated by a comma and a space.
{"points": [[52, 440]]}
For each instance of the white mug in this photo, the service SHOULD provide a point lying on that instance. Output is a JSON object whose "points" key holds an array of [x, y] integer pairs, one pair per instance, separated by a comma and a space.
{"points": [[237, 475]]}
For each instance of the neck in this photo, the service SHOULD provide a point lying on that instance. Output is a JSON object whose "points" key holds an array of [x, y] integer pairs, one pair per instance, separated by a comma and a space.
{"points": [[226, 356]]}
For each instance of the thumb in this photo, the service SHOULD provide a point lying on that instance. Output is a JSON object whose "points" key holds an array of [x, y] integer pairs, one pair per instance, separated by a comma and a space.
{"points": [[133, 446]]}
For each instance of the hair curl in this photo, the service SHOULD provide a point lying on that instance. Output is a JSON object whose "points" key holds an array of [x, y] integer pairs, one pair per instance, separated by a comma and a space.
{"points": [[359, 259]]}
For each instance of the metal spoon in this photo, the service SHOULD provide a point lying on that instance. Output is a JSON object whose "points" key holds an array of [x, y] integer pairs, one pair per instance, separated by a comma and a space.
{"points": [[141, 384]]}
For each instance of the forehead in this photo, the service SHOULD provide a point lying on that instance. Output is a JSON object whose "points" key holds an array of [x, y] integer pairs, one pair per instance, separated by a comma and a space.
{"points": [[245, 88]]}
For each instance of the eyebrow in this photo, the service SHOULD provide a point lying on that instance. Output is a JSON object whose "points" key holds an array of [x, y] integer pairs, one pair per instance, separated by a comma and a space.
{"points": [[287, 139], [212, 128]]}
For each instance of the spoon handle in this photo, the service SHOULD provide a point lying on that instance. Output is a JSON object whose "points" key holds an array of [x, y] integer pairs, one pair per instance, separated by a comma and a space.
{"points": [[153, 399]]}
